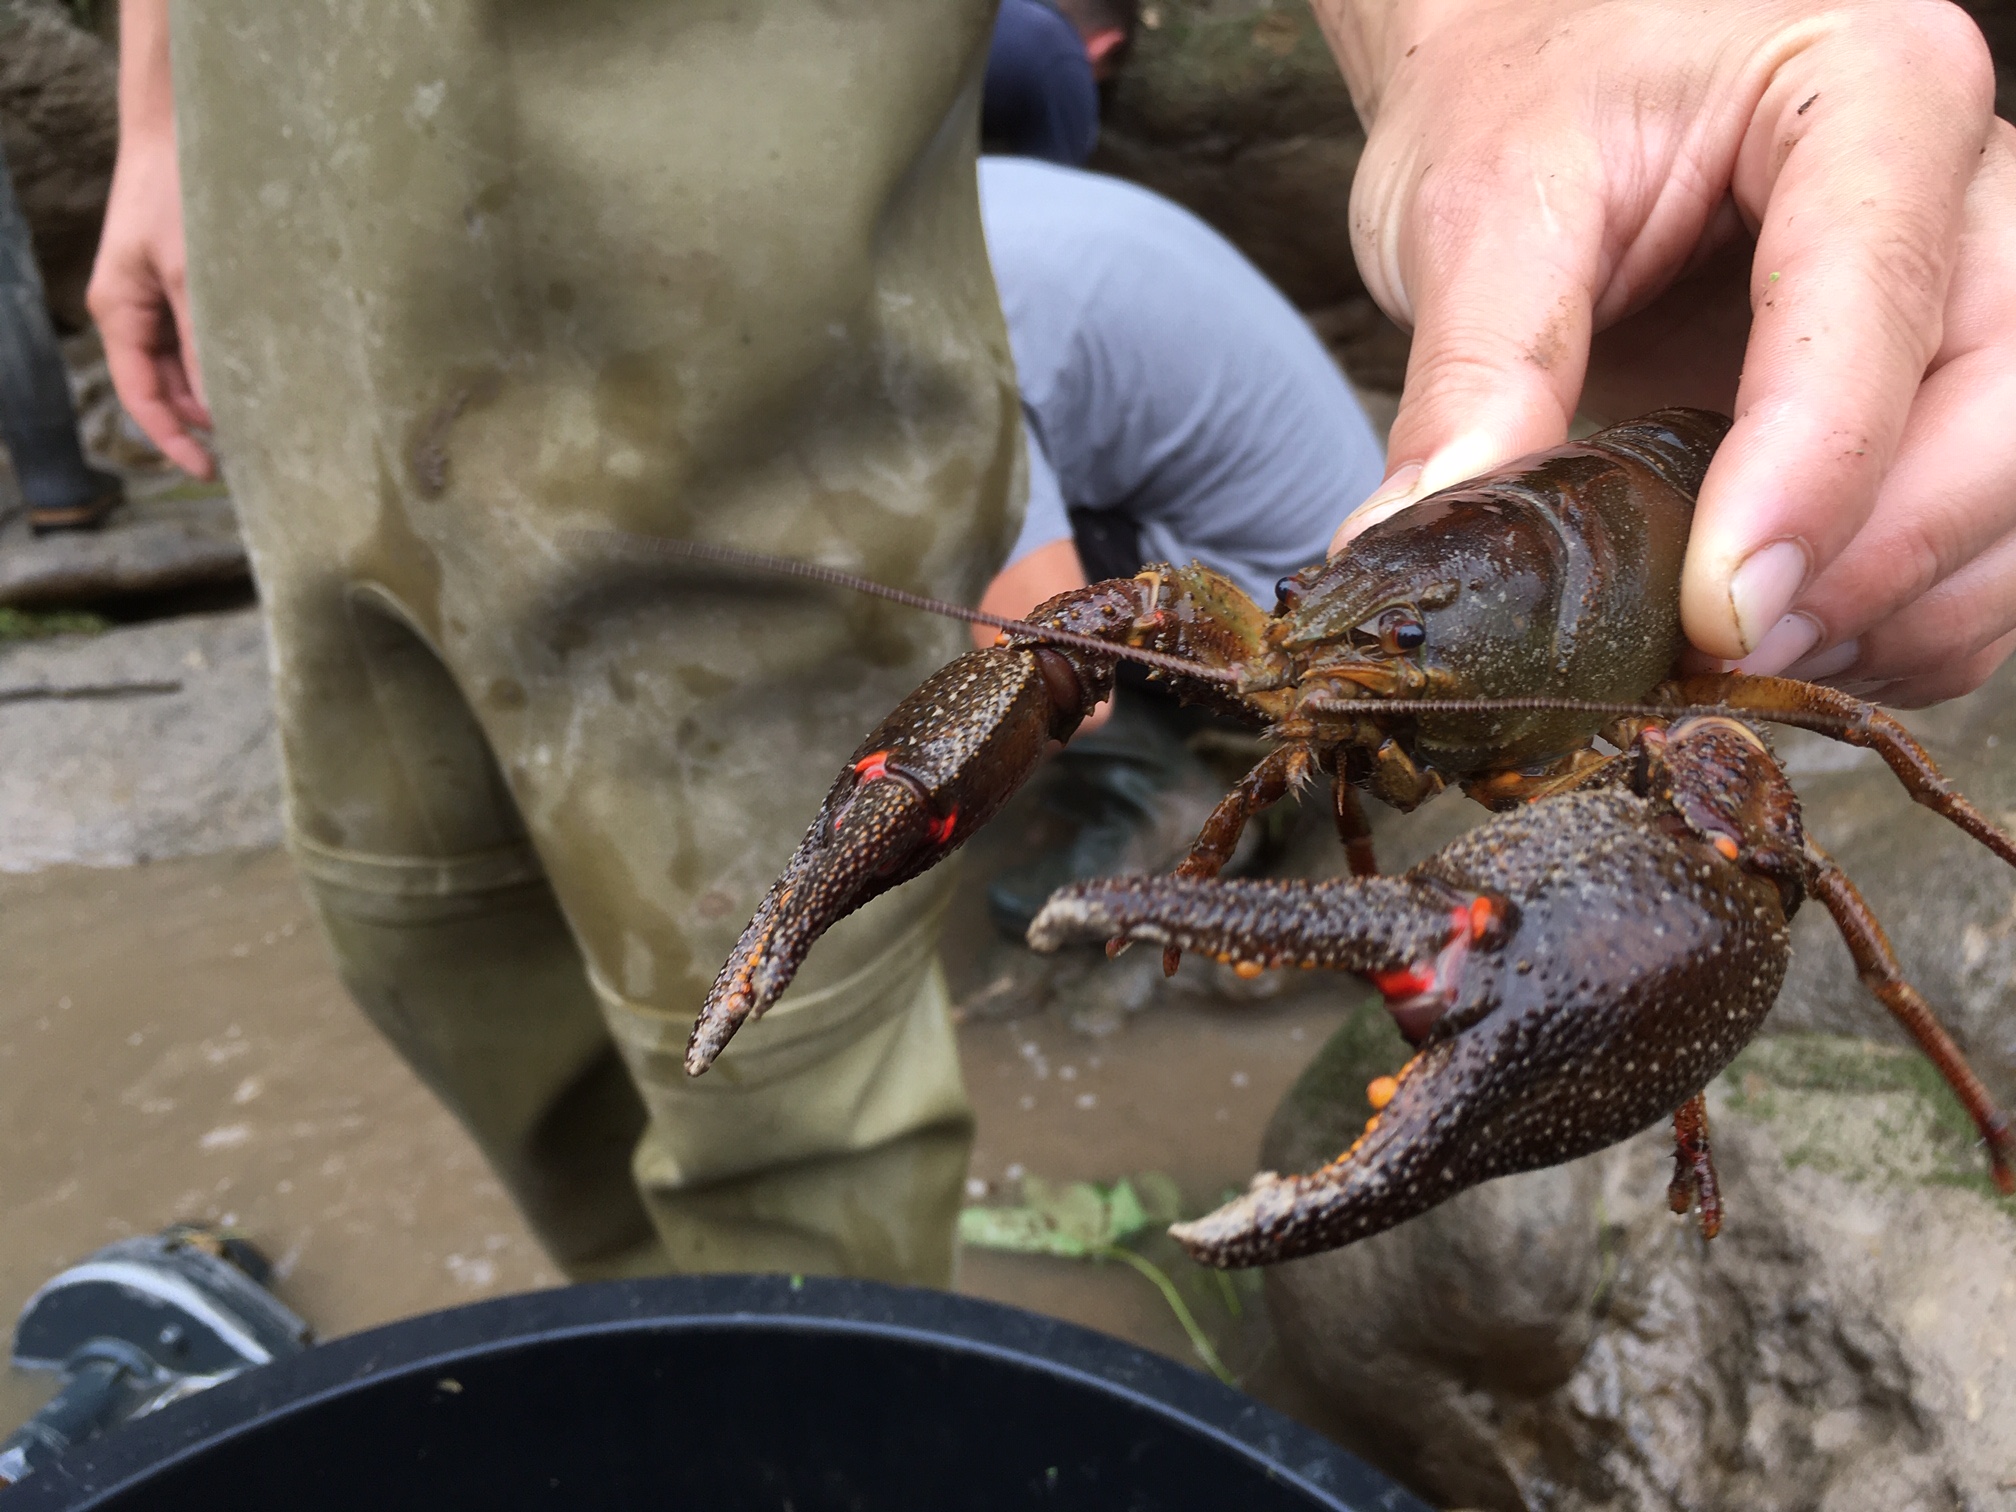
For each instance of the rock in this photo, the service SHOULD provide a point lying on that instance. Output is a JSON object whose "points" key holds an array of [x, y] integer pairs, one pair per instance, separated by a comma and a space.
{"points": [[1235, 109], [1560, 1341], [112, 438], [59, 124], [1487, 1294], [105, 769], [185, 536]]}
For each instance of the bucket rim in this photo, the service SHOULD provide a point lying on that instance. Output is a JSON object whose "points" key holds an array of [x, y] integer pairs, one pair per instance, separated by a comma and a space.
{"points": [[492, 1330]]}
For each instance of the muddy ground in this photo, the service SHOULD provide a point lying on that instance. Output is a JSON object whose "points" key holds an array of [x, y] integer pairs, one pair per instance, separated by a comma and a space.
{"points": [[174, 1044]]}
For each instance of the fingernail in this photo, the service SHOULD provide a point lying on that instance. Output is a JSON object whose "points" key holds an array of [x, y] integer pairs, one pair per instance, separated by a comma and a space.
{"points": [[1460, 461], [1762, 589], [1829, 663], [1389, 498], [1784, 643]]}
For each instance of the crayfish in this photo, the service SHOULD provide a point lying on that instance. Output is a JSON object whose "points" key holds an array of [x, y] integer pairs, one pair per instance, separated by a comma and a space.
{"points": [[1570, 972]]}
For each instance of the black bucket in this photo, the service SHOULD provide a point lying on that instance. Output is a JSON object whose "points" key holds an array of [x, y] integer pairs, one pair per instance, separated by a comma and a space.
{"points": [[718, 1393]]}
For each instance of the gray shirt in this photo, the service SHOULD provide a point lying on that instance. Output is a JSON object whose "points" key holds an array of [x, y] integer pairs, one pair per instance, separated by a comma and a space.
{"points": [[1162, 375]]}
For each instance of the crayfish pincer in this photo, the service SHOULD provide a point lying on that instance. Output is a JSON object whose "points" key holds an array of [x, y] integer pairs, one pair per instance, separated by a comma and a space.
{"points": [[1570, 972]]}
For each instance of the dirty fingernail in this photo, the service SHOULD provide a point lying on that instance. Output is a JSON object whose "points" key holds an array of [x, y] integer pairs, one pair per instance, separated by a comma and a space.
{"points": [[1784, 643], [1829, 663], [1762, 589]]}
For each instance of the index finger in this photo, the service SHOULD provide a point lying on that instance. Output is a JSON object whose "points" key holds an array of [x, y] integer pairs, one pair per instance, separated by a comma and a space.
{"points": [[1855, 166], [156, 405]]}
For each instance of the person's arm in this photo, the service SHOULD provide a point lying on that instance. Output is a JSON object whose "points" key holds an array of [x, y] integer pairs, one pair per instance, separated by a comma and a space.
{"points": [[1803, 213], [138, 294]]}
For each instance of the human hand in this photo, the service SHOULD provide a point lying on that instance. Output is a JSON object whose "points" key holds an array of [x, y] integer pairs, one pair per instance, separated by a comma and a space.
{"points": [[1044, 573], [1801, 213], [138, 294]]}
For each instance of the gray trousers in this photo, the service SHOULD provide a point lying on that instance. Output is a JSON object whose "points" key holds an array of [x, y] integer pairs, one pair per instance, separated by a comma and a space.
{"points": [[473, 274]]}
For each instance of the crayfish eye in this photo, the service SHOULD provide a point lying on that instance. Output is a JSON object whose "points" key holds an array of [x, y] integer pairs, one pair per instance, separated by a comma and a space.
{"points": [[1396, 632], [1287, 592]]}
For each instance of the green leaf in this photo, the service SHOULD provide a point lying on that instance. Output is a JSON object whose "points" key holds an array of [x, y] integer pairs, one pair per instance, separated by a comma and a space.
{"points": [[1077, 1221], [1161, 1198]]}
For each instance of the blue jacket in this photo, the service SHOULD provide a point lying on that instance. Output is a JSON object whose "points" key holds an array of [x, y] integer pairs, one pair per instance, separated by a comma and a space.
{"points": [[1040, 98]]}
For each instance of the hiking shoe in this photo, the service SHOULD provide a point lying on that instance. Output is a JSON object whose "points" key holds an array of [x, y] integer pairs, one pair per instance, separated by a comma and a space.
{"points": [[108, 493]]}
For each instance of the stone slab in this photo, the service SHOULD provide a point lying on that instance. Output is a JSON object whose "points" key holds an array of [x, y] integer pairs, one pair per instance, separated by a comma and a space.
{"points": [[150, 741], [185, 537]]}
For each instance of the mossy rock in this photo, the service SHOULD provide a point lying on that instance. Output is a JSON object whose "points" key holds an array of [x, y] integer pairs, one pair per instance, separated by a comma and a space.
{"points": [[1865, 1111], [1325, 1110], [40, 624], [1230, 73]]}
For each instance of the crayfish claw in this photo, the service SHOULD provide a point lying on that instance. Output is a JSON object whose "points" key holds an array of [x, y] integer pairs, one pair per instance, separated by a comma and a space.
{"points": [[940, 766], [1411, 1156], [1355, 924], [883, 835], [1249, 1229]]}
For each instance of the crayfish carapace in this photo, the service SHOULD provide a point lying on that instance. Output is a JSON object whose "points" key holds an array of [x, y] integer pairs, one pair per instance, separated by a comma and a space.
{"points": [[1570, 972]]}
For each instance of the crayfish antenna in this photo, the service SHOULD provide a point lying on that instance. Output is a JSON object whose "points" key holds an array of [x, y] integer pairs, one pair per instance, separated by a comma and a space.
{"points": [[673, 549]]}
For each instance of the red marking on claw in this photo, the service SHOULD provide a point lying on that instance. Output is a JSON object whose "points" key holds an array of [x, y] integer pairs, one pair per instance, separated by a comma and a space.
{"points": [[873, 767], [1407, 982], [1419, 994], [941, 829]]}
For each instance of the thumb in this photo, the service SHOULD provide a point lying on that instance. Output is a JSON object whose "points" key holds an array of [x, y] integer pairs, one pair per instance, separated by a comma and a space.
{"points": [[1499, 282]]}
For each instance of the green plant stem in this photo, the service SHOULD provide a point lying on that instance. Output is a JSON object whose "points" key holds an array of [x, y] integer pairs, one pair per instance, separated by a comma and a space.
{"points": [[1198, 1340], [1229, 1292]]}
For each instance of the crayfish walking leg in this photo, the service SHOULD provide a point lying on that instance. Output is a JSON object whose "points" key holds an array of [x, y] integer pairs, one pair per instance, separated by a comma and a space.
{"points": [[1695, 1184]]}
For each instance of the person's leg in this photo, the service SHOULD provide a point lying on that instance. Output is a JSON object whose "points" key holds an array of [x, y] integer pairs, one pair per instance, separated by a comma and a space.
{"points": [[666, 270], [37, 420], [443, 925]]}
